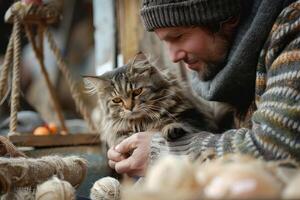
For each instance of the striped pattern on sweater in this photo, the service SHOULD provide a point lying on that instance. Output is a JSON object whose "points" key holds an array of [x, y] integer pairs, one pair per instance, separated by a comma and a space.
{"points": [[275, 133]]}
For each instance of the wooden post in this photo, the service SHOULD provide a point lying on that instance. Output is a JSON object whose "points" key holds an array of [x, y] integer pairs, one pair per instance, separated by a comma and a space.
{"points": [[130, 28]]}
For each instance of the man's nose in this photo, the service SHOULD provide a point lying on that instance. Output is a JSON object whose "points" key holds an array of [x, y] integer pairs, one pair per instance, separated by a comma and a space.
{"points": [[176, 54]]}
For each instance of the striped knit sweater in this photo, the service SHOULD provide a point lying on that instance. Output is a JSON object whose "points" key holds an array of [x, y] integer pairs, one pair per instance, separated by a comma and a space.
{"points": [[275, 133]]}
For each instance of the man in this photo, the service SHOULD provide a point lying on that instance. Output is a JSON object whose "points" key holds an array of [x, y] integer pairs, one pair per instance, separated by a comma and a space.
{"points": [[246, 53]]}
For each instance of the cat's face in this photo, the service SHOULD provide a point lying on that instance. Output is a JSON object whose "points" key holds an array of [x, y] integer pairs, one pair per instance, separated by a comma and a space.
{"points": [[134, 91]]}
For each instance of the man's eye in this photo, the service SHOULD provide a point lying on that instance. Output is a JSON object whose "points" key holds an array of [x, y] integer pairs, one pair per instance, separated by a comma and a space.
{"points": [[117, 100], [178, 36], [174, 38], [137, 92]]}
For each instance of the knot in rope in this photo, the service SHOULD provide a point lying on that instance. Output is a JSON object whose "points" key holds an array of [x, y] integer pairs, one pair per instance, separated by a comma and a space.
{"points": [[32, 13]]}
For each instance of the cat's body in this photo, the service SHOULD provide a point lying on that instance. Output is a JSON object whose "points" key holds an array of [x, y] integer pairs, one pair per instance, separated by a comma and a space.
{"points": [[138, 97]]}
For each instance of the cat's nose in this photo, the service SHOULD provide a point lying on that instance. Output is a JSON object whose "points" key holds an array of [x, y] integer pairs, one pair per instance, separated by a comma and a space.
{"points": [[128, 105]]}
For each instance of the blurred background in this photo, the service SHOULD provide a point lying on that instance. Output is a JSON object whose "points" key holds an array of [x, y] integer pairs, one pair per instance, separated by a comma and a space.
{"points": [[94, 37]]}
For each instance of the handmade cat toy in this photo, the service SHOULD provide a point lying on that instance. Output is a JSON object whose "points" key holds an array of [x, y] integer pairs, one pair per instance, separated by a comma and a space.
{"points": [[17, 171]]}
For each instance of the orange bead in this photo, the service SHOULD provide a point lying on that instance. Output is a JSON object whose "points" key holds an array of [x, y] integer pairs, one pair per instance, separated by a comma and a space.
{"points": [[52, 128], [39, 131]]}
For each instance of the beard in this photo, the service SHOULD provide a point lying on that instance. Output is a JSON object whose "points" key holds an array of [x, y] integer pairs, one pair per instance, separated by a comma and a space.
{"points": [[214, 61], [210, 70]]}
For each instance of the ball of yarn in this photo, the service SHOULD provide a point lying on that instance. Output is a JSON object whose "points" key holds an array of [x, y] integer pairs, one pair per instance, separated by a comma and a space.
{"points": [[240, 181], [19, 194], [56, 189], [173, 174], [106, 188], [292, 189]]}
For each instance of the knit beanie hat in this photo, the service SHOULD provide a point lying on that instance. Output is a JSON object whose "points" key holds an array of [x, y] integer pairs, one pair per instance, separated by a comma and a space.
{"points": [[171, 13]]}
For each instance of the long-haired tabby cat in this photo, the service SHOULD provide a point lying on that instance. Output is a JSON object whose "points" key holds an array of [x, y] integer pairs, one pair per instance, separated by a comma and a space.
{"points": [[139, 97]]}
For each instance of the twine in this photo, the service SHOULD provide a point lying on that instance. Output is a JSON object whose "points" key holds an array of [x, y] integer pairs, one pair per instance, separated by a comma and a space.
{"points": [[23, 172], [55, 189], [106, 188], [28, 172], [16, 77], [72, 85], [40, 57], [20, 194], [8, 149], [29, 14]]}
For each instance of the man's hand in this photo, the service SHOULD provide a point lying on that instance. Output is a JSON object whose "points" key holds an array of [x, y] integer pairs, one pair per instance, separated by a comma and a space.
{"points": [[136, 164]]}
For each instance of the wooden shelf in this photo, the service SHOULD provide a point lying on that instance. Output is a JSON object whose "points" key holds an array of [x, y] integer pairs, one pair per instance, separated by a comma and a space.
{"points": [[55, 140]]}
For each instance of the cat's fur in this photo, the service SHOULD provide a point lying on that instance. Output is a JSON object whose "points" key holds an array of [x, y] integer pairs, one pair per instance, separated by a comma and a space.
{"points": [[139, 97]]}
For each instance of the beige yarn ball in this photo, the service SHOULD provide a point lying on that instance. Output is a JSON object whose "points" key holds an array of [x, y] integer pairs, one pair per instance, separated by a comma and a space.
{"points": [[292, 190], [56, 189], [106, 188], [239, 181], [19, 194], [171, 173]]}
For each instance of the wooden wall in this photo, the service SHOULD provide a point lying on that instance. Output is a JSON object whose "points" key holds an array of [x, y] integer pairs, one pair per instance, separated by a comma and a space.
{"points": [[133, 37]]}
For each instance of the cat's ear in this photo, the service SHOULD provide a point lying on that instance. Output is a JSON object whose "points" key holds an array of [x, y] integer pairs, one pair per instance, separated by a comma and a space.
{"points": [[141, 68], [152, 73], [94, 84], [139, 61], [148, 71], [139, 57]]}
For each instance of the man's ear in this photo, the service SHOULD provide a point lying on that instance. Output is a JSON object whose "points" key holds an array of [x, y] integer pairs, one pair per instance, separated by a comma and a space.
{"points": [[94, 84], [228, 26]]}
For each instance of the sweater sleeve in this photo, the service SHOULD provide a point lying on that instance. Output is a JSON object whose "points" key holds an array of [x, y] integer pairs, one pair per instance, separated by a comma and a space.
{"points": [[275, 133]]}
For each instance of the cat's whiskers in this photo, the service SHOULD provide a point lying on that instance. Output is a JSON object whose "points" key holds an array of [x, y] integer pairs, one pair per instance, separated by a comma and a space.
{"points": [[175, 94], [157, 108], [118, 124], [154, 115], [171, 94], [163, 97]]}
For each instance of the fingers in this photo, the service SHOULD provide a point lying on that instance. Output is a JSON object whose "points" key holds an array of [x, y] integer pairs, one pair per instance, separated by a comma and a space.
{"points": [[113, 155], [138, 146], [130, 167], [112, 164], [127, 145], [124, 166], [132, 142]]}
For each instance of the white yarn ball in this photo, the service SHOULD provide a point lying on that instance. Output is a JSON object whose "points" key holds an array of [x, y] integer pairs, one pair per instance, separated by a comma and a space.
{"points": [[171, 173], [19, 194], [291, 191], [240, 181], [106, 188], [56, 189]]}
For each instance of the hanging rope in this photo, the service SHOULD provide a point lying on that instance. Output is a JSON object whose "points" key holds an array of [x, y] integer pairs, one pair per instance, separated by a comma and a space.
{"points": [[73, 87], [22, 171], [40, 16], [39, 54], [16, 77]]}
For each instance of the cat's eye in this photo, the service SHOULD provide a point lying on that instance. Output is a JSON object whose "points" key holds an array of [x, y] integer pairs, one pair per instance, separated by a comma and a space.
{"points": [[117, 100], [137, 92]]}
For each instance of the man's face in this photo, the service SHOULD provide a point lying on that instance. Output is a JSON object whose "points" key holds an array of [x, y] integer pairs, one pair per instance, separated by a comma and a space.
{"points": [[200, 50]]}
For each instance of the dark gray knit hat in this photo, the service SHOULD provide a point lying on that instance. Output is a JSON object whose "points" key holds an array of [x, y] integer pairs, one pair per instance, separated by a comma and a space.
{"points": [[170, 13]]}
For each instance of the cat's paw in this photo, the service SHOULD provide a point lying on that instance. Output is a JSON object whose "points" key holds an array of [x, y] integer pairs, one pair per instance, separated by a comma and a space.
{"points": [[173, 131]]}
